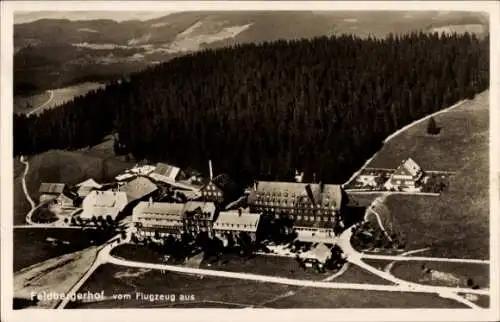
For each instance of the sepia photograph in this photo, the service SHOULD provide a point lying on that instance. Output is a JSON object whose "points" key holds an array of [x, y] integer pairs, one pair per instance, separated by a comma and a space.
{"points": [[262, 157]]}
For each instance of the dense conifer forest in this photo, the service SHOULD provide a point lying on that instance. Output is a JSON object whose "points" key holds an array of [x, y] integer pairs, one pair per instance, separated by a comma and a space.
{"points": [[321, 105]]}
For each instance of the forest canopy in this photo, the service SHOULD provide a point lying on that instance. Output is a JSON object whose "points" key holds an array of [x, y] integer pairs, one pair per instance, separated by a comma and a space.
{"points": [[320, 105]]}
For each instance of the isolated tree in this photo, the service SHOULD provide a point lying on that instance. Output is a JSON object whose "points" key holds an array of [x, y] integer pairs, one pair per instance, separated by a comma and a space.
{"points": [[432, 127]]}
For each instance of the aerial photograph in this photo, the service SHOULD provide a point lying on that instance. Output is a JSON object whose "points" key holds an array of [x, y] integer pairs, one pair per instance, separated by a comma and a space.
{"points": [[251, 159]]}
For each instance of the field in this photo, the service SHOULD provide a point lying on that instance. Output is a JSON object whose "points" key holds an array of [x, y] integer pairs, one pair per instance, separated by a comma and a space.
{"points": [[22, 104], [464, 133], [355, 274], [60, 166], [231, 293], [31, 246], [53, 98], [262, 265], [455, 224], [54, 275], [411, 271]]}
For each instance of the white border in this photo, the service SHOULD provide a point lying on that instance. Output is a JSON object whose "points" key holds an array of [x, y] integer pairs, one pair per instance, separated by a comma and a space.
{"points": [[7, 9]]}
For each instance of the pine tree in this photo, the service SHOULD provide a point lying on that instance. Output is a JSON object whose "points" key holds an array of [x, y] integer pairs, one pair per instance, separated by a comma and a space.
{"points": [[432, 127]]}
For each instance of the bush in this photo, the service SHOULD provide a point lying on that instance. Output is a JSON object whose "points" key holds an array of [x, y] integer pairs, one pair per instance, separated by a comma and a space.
{"points": [[432, 127], [45, 216]]}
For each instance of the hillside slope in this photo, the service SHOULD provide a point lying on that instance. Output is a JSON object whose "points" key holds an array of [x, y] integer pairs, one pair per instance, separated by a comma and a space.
{"points": [[56, 275], [108, 48], [60, 166], [455, 224]]}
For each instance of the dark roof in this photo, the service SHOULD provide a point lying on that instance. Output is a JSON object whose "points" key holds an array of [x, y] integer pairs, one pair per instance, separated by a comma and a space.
{"points": [[52, 188], [225, 183]]}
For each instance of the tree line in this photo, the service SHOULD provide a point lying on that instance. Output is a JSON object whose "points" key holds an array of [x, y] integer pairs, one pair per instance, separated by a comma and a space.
{"points": [[320, 105]]}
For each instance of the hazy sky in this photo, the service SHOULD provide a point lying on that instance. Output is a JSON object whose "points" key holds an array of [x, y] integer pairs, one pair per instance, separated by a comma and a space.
{"points": [[23, 17]]}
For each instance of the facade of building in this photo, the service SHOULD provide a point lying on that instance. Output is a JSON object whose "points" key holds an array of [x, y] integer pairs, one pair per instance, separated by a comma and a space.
{"points": [[406, 176], [234, 222], [212, 193], [198, 216], [219, 190], [313, 208], [298, 201], [101, 204], [160, 218]]}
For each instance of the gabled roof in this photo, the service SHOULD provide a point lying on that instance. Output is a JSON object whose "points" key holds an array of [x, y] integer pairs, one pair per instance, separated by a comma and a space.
{"points": [[409, 166], [83, 191], [296, 188], [200, 206], [224, 182], [328, 195], [106, 198], [167, 170], [103, 203], [138, 188], [159, 208], [52, 188], [90, 183], [171, 212], [233, 220]]}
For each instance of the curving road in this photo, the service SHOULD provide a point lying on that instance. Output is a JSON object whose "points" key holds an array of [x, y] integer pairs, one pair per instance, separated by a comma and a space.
{"points": [[23, 182], [355, 257], [389, 266], [101, 258], [343, 241], [51, 92]]}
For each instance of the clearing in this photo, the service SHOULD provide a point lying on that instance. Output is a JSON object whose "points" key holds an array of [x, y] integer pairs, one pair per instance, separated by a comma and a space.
{"points": [[54, 275], [25, 104], [54, 97], [230, 293], [455, 224], [60, 166]]}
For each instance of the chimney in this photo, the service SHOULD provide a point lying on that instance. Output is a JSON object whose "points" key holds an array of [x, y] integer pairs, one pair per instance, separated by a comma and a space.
{"points": [[150, 202], [298, 177], [210, 169]]}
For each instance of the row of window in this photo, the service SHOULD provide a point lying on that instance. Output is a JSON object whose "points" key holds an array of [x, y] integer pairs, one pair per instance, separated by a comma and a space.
{"points": [[211, 187], [314, 230], [152, 233], [405, 182], [224, 224], [308, 218], [198, 223], [222, 232], [159, 220], [210, 193], [326, 212], [291, 204]]}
